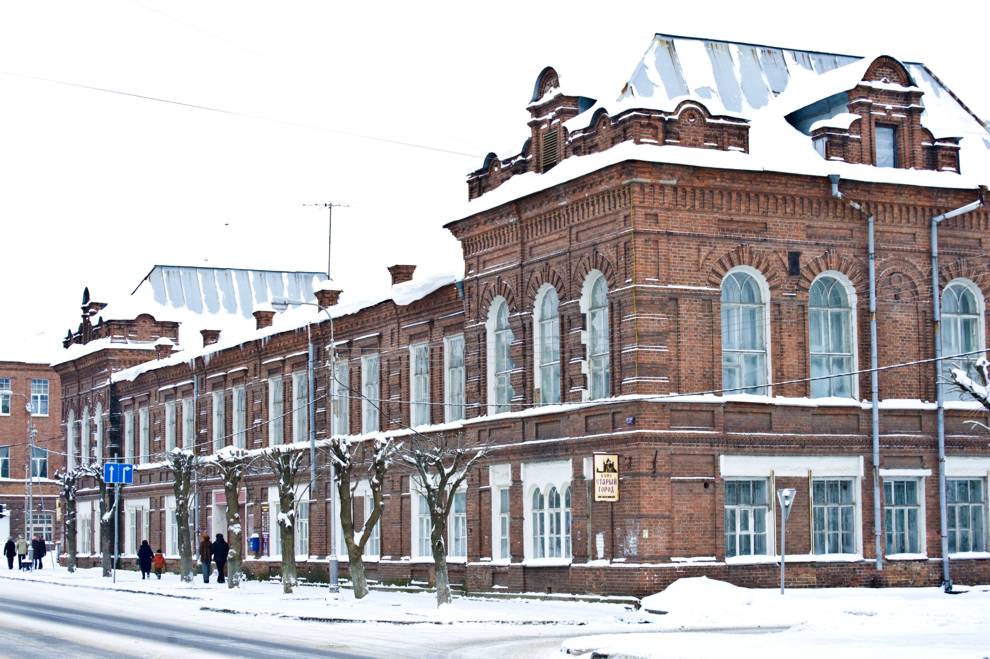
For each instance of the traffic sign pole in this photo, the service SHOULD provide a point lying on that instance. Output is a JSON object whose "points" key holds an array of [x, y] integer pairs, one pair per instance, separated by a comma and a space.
{"points": [[116, 530]]}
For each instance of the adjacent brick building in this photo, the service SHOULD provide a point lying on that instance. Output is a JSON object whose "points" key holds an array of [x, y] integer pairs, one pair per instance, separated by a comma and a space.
{"points": [[671, 277]]}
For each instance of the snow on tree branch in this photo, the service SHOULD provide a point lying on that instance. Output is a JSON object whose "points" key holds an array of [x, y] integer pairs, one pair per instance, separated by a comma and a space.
{"points": [[979, 391]]}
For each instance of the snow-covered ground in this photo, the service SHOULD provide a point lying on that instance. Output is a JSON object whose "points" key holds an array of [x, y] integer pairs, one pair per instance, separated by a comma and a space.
{"points": [[707, 618]]}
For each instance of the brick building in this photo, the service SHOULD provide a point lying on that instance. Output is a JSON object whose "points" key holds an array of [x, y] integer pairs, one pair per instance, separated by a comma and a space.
{"points": [[30, 404], [676, 272]]}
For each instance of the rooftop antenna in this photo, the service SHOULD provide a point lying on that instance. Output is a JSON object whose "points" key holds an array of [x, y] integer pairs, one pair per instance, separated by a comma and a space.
{"points": [[329, 205]]}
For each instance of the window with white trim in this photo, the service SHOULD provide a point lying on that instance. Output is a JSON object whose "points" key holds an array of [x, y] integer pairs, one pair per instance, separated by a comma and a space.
{"points": [[239, 422], [144, 431], [885, 138], [419, 408], [902, 515], [371, 392], [340, 388], [967, 513], [830, 320], [747, 511], [276, 411], [539, 524], [300, 406], [962, 332], [70, 438], [454, 378], [550, 522], [128, 436], [457, 527], [170, 425], [547, 340], [363, 494], [44, 526], [219, 419], [39, 462], [137, 524], [501, 533], [5, 395], [424, 527], [4, 462], [171, 527], [98, 432], [39, 397], [599, 369], [188, 424], [84, 437], [500, 364], [744, 341], [302, 529], [833, 507], [84, 527]]}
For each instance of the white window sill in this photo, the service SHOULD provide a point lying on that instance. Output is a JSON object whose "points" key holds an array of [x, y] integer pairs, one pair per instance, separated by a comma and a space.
{"points": [[794, 558], [969, 555], [906, 557], [547, 562], [421, 559], [459, 560]]}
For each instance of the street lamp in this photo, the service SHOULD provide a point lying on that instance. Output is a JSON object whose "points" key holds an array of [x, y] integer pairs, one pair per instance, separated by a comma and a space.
{"points": [[281, 304], [785, 496]]}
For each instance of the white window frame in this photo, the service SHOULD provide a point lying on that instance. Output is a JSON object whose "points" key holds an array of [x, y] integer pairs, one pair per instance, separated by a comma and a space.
{"points": [[851, 317], [84, 437], [300, 406], [894, 475], [544, 476], [419, 386], [6, 393], [144, 434], [5, 461], [276, 410], [98, 432], [39, 462], [39, 397], [170, 425], [454, 379], [762, 388], [372, 550], [950, 323], [752, 512], [341, 398], [302, 528], [830, 508], [171, 527], [499, 481], [70, 438], [218, 415], [421, 525], [84, 528], [188, 424], [137, 513], [545, 368], [274, 531], [457, 535], [975, 510], [500, 392], [894, 131], [595, 365], [238, 405], [128, 436], [370, 392]]}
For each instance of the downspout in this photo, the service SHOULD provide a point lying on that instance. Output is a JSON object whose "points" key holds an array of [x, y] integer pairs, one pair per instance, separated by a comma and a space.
{"points": [[874, 374], [939, 394]]}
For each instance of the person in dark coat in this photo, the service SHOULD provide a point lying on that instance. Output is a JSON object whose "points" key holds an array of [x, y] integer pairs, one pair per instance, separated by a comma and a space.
{"points": [[9, 550], [220, 550], [144, 559], [205, 554], [38, 544]]}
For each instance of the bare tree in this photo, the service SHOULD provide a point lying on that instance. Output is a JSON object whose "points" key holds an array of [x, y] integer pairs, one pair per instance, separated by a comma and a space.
{"points": [[68, 484], [183, 463], [232, 463], [978, 390], [107, 512], [441, 463], [347, 481], [285, 464]]}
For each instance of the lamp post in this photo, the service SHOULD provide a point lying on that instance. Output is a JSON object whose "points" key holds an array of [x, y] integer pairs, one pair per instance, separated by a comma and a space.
{"points": [[282, 305]]}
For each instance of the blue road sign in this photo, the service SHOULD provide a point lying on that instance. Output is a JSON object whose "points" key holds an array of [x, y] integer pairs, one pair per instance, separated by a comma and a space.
{"points": [[118, 472]]}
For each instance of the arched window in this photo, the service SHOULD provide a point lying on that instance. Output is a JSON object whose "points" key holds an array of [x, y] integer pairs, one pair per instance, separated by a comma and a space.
{"points": [[547, 337], [70, 440], [744, 343], [499, 362], [553, 518], [84, 438], [596, 312], [539, 528], [567, 522], [830, 321], [962, 332], [98, 433]]}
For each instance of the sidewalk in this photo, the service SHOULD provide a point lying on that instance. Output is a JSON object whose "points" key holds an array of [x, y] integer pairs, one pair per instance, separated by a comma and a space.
{"points": [[315, 603]]}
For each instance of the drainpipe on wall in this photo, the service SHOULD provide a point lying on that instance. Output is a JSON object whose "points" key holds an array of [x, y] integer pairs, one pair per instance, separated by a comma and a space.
{"points": [[874, 375], [939, 395]]}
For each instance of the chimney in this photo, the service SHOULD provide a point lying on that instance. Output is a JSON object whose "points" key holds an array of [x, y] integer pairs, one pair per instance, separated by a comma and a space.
{"points": [[401, 273], [163, 347], [210, 336], [327, 294], [263, 314]]}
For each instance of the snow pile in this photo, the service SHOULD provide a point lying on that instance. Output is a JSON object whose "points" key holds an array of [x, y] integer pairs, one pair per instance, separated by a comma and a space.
{"points": [[697, 594]]}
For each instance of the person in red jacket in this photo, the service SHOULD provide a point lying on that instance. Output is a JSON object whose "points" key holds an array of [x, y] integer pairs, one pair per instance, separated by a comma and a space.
{"points": [[158, 563]]}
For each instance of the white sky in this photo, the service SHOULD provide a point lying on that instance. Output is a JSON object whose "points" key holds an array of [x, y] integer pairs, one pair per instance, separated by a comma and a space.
{"points": [[96, 187]]}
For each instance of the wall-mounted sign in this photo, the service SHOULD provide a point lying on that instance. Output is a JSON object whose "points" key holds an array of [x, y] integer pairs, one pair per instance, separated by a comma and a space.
{"points": [[606, 477]]}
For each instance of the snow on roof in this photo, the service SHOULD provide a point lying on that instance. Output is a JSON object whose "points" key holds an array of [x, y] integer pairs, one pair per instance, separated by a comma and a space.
{"points": [[209, 298], [762, 84], [78, 350], [294, 318]]}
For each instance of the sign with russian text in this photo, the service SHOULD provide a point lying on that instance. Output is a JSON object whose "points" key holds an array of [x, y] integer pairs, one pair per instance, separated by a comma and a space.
{"points": [[606, 477]]}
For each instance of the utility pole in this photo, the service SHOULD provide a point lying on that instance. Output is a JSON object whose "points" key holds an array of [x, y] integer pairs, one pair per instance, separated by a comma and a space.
{"points": [[29, 513], [329, 205]]}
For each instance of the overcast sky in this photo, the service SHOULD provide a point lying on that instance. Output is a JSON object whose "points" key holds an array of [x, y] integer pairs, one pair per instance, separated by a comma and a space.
{"points": [[96, 187]]}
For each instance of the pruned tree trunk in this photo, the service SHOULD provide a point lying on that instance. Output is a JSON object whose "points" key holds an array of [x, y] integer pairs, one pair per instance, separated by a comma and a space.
{"points": [[68, 480], [182, 463], [106, 525], [284, 464], [438, 544]]}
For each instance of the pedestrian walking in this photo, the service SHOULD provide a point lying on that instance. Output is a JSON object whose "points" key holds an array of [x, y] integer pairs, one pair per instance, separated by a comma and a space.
{"points": [[40, 549], [205, 554], [9, 550], [220, 550], [158, 563], [144, 559], [22, 550]]}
